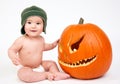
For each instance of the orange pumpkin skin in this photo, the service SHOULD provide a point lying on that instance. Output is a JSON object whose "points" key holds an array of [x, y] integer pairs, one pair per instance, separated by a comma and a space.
{"points": [[84, 51]]}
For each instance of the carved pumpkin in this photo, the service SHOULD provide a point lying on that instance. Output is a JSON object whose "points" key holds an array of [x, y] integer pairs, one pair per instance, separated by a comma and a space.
{"points": [[84, 51]]}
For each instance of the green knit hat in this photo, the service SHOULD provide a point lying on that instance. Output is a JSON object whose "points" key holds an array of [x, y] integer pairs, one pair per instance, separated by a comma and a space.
{"points": [[33, 11]]}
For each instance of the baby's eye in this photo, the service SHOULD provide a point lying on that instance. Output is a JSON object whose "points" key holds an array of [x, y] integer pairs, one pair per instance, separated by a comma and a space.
{"points": [[29, 22], [38, 23]]}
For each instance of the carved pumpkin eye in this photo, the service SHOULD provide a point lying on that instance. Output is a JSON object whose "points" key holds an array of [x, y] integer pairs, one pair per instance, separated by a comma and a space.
{"points": [[75, 46]]}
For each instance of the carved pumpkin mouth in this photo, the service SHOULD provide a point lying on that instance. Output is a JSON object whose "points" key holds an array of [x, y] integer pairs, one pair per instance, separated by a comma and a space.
{"points": [[80, 63]]}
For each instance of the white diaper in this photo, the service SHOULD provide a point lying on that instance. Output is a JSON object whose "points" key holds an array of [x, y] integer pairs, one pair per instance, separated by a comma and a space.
{"points": [[38, 69]]}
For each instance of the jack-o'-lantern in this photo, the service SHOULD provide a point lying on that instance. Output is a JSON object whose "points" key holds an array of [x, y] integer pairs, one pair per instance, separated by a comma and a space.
{"points": [[84, 51]]}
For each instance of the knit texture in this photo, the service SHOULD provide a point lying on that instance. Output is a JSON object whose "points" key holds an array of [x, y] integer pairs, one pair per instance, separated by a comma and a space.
{"points": [[33, 11]]}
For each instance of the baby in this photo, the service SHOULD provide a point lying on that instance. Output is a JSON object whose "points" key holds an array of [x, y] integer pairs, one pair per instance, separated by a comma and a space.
{"points": [[27, 50]]}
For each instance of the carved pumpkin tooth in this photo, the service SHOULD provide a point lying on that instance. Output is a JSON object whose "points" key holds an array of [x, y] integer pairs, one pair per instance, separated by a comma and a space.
{"points": [[83, 61], [77, 63], [70, 63], [73, 64], [80, 62], [88, 60]]}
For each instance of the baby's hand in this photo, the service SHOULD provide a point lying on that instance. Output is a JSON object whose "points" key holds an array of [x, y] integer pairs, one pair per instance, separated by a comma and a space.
{"points": [[16, 60], [56, 42]]}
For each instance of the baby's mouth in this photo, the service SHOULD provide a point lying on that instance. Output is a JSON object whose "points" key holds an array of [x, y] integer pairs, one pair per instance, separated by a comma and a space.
{"points": [[80, 63], [33, 30]]}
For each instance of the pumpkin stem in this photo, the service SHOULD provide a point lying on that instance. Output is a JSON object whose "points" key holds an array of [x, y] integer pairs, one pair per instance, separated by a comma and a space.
{"points": [[81, 21]]}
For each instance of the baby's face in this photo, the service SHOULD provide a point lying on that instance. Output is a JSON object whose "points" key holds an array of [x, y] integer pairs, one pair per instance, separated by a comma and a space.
{"points": [[34, 26]]}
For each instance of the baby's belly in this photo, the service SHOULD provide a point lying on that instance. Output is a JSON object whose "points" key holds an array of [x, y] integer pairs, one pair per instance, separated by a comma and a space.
{"points": [[32, 62]]}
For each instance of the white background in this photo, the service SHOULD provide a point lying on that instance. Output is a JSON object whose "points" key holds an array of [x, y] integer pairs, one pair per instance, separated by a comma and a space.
{"points": [[61, 13]]}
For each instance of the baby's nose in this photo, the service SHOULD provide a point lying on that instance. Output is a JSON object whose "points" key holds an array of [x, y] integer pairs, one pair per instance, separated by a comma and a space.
{"points": [[33, 25]]}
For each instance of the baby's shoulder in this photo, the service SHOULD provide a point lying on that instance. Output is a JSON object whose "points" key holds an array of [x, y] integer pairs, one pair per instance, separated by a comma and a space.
{"points": [[20, 39]]}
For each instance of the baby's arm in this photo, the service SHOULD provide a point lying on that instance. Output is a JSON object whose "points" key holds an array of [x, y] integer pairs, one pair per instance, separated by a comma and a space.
{"points": [[13, 50], [51, 45]]}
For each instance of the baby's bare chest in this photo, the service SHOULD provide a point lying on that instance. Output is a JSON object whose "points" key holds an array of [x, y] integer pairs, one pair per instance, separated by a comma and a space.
{"points": [[32, 47]]}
